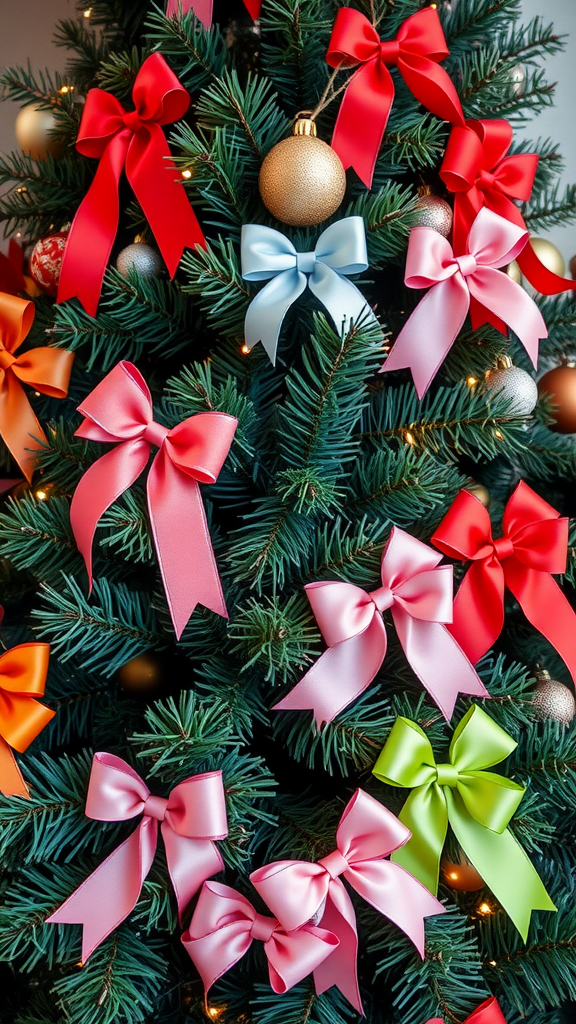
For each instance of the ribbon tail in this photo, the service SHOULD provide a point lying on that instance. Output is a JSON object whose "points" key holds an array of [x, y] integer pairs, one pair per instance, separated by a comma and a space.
{"points": [[543, 280], [268, 309], [343, 300], [512, 304], [340, 967], [11, 780], [432, 87], [429, 333], [502, 863], [202, 9], [478, 610], [546, 607], [398, 896], [19, 426], [362, 119], [438, 661], [425, 814], [182, 542], [339, 676], [190, 863]]}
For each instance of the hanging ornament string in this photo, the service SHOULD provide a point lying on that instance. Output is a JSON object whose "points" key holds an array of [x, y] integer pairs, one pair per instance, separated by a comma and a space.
{"points": [[418, 47], [23, 672], [488, 1012], [203, 9], [133, 140]]}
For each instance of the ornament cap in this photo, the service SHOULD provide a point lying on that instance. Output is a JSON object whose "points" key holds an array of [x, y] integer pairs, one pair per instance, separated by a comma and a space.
{"points": [[503, 362], [305, 126]]}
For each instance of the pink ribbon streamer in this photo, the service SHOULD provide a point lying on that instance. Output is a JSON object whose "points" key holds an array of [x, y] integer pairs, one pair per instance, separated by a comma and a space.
{"points": [[203, 9], [224, 926], [418, 592], [428, 334], [120, 410], [295, 890], [190, 819]]}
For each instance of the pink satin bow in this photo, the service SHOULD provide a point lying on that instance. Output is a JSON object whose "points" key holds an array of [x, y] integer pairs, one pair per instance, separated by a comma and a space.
{"points": [[419, 594], [296, 889], [224, 926], [190, 819], [202, 9], [427, 336], [120, 409]]}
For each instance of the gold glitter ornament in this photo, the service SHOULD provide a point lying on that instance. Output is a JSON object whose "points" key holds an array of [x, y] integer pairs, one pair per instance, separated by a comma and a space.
{"points": [[553, 700], [302, 180], [434, 212]]}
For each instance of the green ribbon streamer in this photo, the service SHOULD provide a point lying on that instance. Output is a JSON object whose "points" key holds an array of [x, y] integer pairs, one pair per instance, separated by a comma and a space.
{"points": [[476, 803]]}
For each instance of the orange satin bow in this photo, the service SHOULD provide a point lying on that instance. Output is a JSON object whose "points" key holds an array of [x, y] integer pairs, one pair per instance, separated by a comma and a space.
{"points": [[45, 369], [22, 678]]}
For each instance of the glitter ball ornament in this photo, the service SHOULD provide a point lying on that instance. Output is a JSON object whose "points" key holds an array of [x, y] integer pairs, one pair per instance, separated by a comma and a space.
{"points": [[514, 384], [559, 385], [549, 255], [302, 180], [436, 213], [479, 491], [139, 257], [553, 700], [46, 261], [34, 127], [462, 875]]}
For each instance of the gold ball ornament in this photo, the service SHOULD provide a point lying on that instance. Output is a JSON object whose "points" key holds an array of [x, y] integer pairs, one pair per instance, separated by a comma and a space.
{"points": [[553, 700], [34, 129], [143, 675], [479, 491], [549, 255], [302, 180], [462, 876], [434, 212], [513, 271], [559, 385], [572, 268]]}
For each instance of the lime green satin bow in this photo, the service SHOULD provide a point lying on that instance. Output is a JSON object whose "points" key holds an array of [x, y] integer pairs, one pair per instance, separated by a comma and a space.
{"points": [[477, 804]]}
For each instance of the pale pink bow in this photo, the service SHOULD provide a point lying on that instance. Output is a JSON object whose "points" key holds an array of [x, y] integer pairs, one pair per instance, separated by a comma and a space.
{"points": [[202, 9], [419, 594], [295, 890], [428, 334], [225, 924], [190, 819], [119, 409]]}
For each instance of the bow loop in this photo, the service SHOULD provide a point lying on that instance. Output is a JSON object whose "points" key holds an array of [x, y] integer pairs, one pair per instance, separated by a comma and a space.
{"points": [[199, 445], [23, 671]]}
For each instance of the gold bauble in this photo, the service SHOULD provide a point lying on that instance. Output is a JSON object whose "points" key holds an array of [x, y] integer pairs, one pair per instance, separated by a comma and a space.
{"points": [[513, 271], [553, 700], [434, 212], [302, 181], [462, 876], [143, 675], [549, 255], [34, 127], [559, 385], [479, 491]]}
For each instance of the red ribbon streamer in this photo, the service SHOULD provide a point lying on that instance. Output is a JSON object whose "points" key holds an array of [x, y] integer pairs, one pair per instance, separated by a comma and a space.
{"points": [[488, 1012], [365, 108], [477, 169], [534, 544], [134, 140], [202, 9]]}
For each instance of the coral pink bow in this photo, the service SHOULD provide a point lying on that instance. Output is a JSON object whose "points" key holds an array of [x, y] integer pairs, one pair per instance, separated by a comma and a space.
{"points": [[427, 336], [203, 9], [419, 594], [120, 409], [190, 819], [488, 1012], [295, 890], [224, 926]]}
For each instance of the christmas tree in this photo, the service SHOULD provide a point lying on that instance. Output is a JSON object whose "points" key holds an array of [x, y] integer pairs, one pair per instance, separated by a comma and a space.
{"points": [[271, 768]]}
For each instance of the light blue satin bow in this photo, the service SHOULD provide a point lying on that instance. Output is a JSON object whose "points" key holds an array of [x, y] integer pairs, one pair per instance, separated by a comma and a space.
{"points": [[266, 253]]}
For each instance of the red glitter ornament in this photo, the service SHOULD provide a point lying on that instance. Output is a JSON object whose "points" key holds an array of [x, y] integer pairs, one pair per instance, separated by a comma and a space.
{"points": [[46, 261]]}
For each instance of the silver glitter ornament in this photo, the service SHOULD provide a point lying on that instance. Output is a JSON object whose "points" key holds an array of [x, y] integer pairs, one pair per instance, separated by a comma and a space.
{"points": [[141, 258], [514, 384], [436, 213], [553, 700]]}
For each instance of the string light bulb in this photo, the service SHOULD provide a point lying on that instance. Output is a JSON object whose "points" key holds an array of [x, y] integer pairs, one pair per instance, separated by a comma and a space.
{"points": [[471, 381], [485, 909], [187, 173], [88, 12], [244, 350], [66, 89]]}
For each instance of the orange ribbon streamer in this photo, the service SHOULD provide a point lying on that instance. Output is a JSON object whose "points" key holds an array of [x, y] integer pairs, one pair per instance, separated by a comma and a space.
{"points": [[23, 673], [45, 369]]}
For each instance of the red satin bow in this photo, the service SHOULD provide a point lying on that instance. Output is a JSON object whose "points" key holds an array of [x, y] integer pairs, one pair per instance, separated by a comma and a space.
{"points": [[488, 1012], [193, 815], [297, 890], [203, 9], [365, 108], [120, 410], [477, 169], [225, 924], [134, 140], [533, 545]]}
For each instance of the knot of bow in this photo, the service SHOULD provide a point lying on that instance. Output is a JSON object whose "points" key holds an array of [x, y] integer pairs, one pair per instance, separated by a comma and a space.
{"points": [[488, 1012], [23, 671], [45, 369], [267, 253], [365, 108], [419, 594], [295, 890], [190, 819], [533, 545], [225, 924], [134, 140], [120, 410], [452, 282], [478, 805]]}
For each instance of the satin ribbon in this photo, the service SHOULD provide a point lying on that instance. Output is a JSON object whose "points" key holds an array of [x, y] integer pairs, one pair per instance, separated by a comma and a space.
{"points": [[534, 543], [192, 817], [225, 924], [477, 169], [418, 47], [134, 140], [477, 804], [45, 369], [488, 1012], [23, 671], [268, 254], [202, 9], [419, 594], [12, 278], [296, 889], [120, 410], [429, 333]]}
